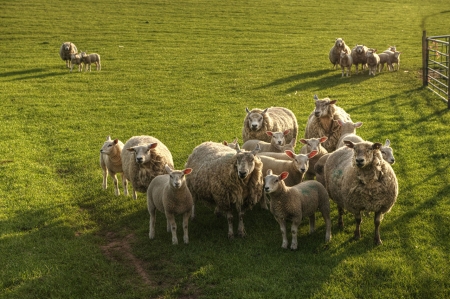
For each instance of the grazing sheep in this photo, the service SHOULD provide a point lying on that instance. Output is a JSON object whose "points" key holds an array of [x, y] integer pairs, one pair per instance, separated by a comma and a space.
{"points": [[231, 144], [294, 203], [348, 132], [359, 57], [111, 162], [87, 59], [75, 59], [346, 62], [225, 178], [65, 52], [276, 119], [143, 158], [168, 193], [322, 122], [385, 58], [313, 144], [276, 144], [387, 152], [335, 51], [360, 180], [372, 61]]}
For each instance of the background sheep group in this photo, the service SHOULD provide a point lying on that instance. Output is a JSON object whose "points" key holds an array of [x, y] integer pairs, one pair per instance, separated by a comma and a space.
{"points": [[231, 179], [69, 53]]}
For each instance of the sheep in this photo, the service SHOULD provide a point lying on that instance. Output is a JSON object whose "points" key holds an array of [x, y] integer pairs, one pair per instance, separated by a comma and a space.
{"points": [[275, 145], [360, 180], [387, 152], [87, 59], [143, 158], [395, 59], [346, 62], [348, 132], [359, 57], [294, 203], [65, 52], [276, 119], [280, 155], [225, 178], [372, 61], [75, 59], [111, 162], [319, 169], [313, 144], [322, 122], [335, 51], [168, 193], [231, 144], [385, 58]]}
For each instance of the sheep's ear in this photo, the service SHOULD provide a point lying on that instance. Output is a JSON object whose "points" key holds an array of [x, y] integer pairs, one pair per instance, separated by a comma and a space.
{"points": [[237, 148], [283, 175], [323, 139], [293, 142], [224, 142], [115, 141], [269, 133], [316, 98], [187, 171], [387, 142], [376, 145], [269, 172], [257, 149], [304, 141], [358, 124], [168, 169], [312, 154], [235, 140], [332, 102], [248, 111], [152, 145], [108, 138], [286, 132], [290, 154], [264, 111], [131, 149], [349, 144], [340, 122]]}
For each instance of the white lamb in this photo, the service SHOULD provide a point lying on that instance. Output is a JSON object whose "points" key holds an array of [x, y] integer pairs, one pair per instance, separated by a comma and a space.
{"points": [[335, 51], [346, 62], [294, 203], [111, 162], [276, 119], [372, 61], [359, 57], [385, 58], [65, 52], [275, 145], [387, 152], [313, 144], [75, 59], [143, 158], [169, 194], [87, 59], [348, 132], [359, 181]]}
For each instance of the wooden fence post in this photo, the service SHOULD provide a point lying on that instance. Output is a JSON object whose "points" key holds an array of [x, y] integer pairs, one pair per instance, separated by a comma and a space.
{"points": [[424, 59]]}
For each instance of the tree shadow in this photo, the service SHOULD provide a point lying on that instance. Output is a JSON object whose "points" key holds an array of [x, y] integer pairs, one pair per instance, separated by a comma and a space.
{"points": [[36, 73]]}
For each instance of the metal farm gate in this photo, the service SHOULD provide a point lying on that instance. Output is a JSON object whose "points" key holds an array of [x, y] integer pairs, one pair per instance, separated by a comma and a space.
{"points": [[435, 65]]}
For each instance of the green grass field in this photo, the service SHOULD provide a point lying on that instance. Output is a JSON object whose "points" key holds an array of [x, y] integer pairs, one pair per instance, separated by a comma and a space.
{"points": [[184, 71]]}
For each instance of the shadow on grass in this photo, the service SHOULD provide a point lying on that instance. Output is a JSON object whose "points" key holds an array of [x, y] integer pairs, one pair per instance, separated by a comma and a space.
{"points": [[36, 73]]}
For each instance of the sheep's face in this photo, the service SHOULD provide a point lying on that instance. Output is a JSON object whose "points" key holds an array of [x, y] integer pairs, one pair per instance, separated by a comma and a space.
{"points": [[66, 47], [387, 152], [313, 144], [142, 153], [360, 49], [277, 138], [340, 43], [272, 181], [322, 107], [255, 120], [178, 177], [108, 146], [363, 152], [349, 126], [301, 163], [245, 163]]}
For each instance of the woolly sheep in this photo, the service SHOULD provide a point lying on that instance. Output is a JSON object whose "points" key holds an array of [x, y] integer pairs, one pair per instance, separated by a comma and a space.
{"points": [[322, 122], [75, 59], [372, 61], [359, 57], [111, 162], [335, 51], [294, 203], [169, 194], [275, 145], [360, 180], [348, 132], [346, 62], [143, 158], [65, 52], [87, 59], [313, 144], [225, 178], [276, 119], [319, 168]]}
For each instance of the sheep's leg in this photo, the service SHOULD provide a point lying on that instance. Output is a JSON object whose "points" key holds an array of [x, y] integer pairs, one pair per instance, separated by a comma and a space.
{"points": [[134, 194], [341, 217], [342, 71], [356, 68], [230, 225], [193, 212], [116, 183], [294, 232], [282, 224], [105, 177], [327, 218], [172, 226], [152, 212], [185, 227], [358, 220], [241, 228], [312, 223], [125, 185], [377, 220]]}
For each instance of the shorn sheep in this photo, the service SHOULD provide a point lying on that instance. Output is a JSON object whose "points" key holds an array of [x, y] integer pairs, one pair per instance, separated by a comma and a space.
{"points": [[88, 59], [275, 145], [372, 61], [359, 57], [226, 178], [111, 162], [335, 51], [276, 119], [143, 158], [169, 194], [294, 203], [75, 59], [313, 144], [323, 122], [360, 180], [346, 62], [65, 52]]}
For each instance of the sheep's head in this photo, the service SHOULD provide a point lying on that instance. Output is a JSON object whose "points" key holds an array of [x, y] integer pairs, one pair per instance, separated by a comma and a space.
{"points": [[397, 54], [301, 161], [67, 46], [392, 48], [278, 138], [349, 126], [255, 119], [364, 153], [142, 153], [109, 145], [339, 43], [323, 106], [245, 161], [370, 52], [177, 177], [83, 54], [273, 181], [387, 152], [231, 145], [313, 144]]}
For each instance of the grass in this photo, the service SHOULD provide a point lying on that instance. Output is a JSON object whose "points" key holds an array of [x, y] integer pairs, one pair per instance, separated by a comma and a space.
{"points": [[184, 71]]}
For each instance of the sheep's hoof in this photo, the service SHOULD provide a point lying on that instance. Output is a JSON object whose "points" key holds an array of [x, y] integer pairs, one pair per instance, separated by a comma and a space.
{"points": [[377, 241], [357, 236], [230, 237], [242, 234]]}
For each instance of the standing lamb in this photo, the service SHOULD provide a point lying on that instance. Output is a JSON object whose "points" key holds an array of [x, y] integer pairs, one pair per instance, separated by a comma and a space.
{"points": [[143, 158], [276, 144], [360, 180], [294, 203], [346, 62], [385, 58], [359, 57], [75, 59], [322, 122], [313, 144], [169, 194], [225, 178], [87, 59], [276, 119], [335, 51], [372, 61], [348, 132], [111, 162], [65, 52]]}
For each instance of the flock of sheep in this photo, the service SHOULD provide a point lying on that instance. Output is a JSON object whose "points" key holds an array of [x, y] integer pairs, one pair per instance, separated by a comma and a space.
{"points": [[69, 53], [334, 162], [340, 54]]}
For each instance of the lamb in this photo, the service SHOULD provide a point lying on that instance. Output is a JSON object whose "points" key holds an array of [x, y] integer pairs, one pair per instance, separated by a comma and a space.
{"points": [[275, 145], [395, 59], [225, 178], [280, 155], [87, 59], [313, 144], [385, 58], [372, 61], [359, 57], [65, 52], [294, 203], [346, 62], [231, 144], [387, 152], [360, 180], [75, 59], [111, 162], [168, 193], [335, 51], [143, 158], [276, 119], [322, 122], [348, 132]]}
